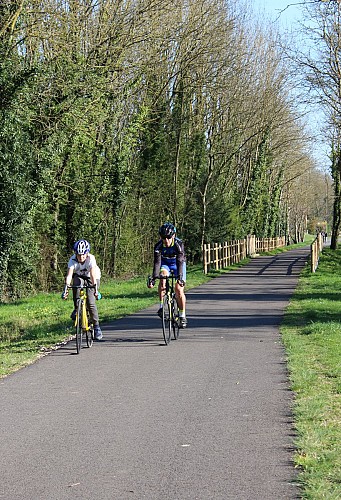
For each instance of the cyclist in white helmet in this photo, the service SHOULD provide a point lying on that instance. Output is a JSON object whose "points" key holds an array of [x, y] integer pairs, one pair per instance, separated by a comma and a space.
{"points": [[82, 267]]}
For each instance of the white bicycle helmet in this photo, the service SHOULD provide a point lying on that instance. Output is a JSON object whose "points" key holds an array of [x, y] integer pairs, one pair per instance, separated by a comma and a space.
{"points": [[81, 247]]}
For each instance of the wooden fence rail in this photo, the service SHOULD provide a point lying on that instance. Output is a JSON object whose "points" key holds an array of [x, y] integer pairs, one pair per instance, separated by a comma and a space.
{"points": [[268, 244], [220, 255]]}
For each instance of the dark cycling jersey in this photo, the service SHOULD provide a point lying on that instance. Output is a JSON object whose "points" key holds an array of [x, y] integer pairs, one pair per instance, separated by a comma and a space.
{"points": [[169, 256]]}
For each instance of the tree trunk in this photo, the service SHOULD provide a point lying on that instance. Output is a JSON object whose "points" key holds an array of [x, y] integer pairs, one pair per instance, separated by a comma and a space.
{"points": [[337, 202]]}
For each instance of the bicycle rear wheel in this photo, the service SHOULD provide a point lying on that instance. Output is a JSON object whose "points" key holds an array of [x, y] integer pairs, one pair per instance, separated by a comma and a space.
{"points": [[166, 320], [175, 319], [90, 335], [79, 330]]}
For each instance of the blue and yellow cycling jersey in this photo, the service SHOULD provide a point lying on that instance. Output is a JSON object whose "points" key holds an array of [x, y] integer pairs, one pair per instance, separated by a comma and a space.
{"points": [[172, 257]]}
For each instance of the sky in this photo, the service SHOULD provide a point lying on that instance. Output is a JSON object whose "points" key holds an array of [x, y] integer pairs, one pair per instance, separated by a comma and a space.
{"points": [[287, 13]]}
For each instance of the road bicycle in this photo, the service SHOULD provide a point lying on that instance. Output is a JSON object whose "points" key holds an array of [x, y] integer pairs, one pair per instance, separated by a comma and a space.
{"points": [[170, 312], [83, 325]]}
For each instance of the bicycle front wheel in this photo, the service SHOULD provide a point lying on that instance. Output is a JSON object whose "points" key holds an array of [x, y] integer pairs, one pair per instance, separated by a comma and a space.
{"points": [[175, 318], [79, 329], [166, 320]]}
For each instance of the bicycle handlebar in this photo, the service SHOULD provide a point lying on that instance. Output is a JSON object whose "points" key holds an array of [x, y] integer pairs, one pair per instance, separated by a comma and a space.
{"points": [[171, 276], [80, 286]]}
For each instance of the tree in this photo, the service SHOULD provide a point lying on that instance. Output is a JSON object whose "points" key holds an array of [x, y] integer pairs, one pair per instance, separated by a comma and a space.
{"points": [[321, 65], [118, 116], [18, 180]]}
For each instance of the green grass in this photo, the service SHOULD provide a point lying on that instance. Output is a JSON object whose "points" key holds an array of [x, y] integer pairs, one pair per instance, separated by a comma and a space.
{"points": [[311, 334]]}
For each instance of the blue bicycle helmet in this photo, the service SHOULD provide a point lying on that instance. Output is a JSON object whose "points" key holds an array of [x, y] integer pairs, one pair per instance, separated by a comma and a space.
{"points": [[81, 247], [167, 230]]}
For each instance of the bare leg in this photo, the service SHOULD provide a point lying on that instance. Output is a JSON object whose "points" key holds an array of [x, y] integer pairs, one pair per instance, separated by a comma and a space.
{"points": [[180, 297], [162, 288]]}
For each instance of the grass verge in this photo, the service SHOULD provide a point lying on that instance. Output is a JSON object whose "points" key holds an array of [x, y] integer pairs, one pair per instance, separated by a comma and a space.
{"points": [[311, 335]]}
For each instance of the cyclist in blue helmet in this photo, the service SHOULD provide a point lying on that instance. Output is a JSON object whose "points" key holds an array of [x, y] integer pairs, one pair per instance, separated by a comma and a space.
{"points": [[82, 266], [169, 255]]}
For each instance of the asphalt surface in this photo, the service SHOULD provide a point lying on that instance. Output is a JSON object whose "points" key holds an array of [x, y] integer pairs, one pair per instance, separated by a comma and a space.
{"points": [[207, 417]]}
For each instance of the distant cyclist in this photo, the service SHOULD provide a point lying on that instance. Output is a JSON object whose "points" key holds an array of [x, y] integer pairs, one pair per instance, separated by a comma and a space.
{"points": [[83, 269], [169, 255]]}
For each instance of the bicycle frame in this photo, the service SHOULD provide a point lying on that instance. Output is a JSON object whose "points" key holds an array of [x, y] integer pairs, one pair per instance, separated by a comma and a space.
{"points": [[169, 309], [84, 315], [82, 324]]}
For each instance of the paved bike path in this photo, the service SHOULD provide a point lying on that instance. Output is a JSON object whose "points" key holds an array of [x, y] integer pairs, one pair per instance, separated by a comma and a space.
{"points": [[207, 417]]}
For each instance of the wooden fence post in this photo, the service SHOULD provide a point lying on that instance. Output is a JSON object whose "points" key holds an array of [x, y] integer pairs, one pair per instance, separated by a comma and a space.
{"points": [[205, 258], [312, 257]]}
